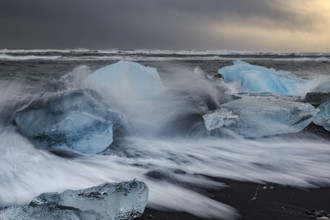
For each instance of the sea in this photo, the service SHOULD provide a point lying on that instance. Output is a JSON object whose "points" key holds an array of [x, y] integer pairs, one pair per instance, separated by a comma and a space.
{"points": [[171, 155]]}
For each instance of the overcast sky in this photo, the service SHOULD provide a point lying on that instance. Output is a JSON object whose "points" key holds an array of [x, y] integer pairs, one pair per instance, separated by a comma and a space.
{"points": [[259, 25]]}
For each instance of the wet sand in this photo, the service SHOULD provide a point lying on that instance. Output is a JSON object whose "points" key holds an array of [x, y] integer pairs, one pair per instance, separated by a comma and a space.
{"points": [[261, 201], [267, 201]]}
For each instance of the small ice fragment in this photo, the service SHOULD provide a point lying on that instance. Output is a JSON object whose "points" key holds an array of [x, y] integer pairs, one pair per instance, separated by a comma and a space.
{"points": [[323, 116], [219, 118]]}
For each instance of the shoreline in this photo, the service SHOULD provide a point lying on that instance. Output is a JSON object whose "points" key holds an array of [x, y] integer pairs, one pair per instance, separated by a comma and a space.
{"points": [[255, 201]]}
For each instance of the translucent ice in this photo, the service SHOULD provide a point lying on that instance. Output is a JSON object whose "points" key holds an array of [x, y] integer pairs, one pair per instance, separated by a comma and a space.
{"points": [[253, 78], [260, 116], [323, 116], [126, 200], [72, 120], [125, 81], [219, 118]]}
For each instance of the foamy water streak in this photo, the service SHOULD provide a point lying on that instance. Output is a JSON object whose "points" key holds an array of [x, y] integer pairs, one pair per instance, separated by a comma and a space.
{"points": [[153, 55], [166, 146], [27, 172]]}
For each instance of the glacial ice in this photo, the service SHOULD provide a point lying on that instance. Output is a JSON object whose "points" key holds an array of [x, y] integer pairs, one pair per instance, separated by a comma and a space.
{"points": [[259, 116], [72, 120], [51, 212], [323, 116], [219, 118], [253, 78], [114, 201], [125, 81]]}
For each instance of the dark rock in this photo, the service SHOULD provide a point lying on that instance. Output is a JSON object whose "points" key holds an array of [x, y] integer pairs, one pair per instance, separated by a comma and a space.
{"points": [[317, 98]]}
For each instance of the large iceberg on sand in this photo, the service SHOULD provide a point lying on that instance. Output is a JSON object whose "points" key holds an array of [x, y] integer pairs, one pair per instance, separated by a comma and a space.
{"points": [[73, 120], [259, 116], [253, 78], [323, 116], [109, 201], [125, 81]]}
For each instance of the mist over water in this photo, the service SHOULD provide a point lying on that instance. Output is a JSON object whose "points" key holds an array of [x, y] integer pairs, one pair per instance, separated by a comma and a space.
{"points": [[165, 144]]}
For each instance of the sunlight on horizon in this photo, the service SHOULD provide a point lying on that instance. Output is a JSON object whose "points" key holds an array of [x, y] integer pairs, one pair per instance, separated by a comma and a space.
{"points": [[308, 32]]}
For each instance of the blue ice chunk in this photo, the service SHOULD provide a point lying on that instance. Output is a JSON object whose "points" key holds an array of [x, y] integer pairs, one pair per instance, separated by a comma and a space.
{"points": [[260, 116], [72, 120], [220, 118], [108, 201], [125, 81], [253, 78], [323, 116], [45, 212]]}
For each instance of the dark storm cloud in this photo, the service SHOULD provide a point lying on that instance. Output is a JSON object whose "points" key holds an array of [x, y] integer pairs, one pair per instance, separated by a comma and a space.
{"points": [[134, 23]]}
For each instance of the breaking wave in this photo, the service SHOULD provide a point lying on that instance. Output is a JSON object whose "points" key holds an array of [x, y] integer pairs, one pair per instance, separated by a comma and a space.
{"points": [[166, 145]]}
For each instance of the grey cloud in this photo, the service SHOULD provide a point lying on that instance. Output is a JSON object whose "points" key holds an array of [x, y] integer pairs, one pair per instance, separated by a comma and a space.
{"points": [[132, 23]]}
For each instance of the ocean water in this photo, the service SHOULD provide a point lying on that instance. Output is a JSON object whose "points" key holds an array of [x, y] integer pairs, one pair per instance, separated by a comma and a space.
{"points": [[172, 153]]}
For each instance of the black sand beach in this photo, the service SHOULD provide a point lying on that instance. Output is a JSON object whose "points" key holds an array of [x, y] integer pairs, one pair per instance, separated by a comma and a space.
{"points": [[268, 201], [165, 110], [261, 201], [252, 200]]}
